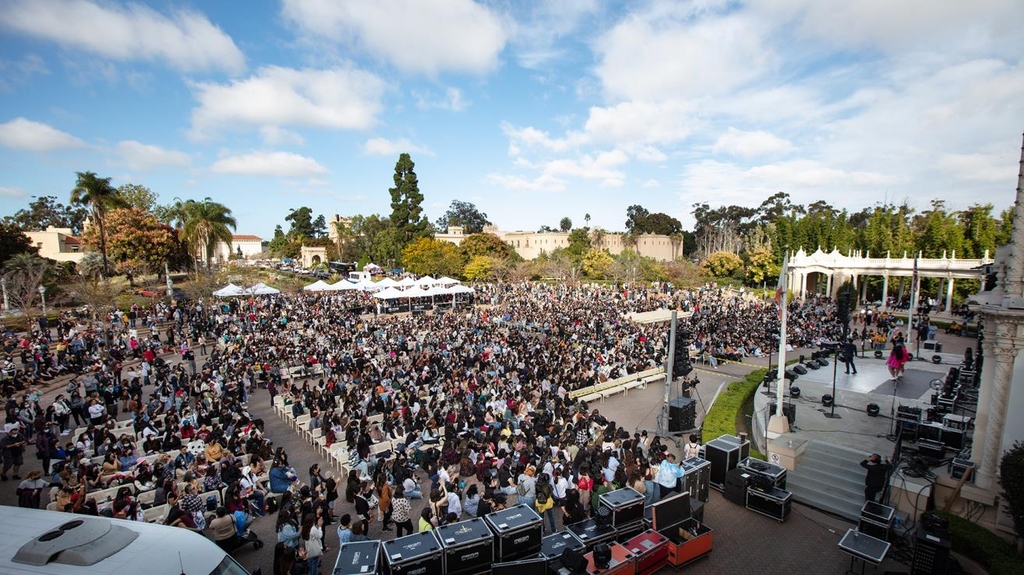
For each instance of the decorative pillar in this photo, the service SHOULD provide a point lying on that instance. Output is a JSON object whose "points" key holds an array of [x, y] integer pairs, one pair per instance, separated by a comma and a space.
{"points": [[885, 290], [949, 295], [1014, 285], [864, 290], [803, 285], [1001, 356], [828, 285]]}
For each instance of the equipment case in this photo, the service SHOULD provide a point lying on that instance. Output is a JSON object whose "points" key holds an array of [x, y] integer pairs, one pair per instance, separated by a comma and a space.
{"points": [[590, 533], [416, 553], [357, 558], [468, 546], [773, 502], [688, 539], [553, 545], [626, 506], [621, 564], [517, 532], [724, 453], [776, 473], [650, 549], [697, 478]]}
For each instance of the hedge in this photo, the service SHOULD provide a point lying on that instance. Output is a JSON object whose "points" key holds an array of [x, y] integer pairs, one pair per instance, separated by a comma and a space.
{"points": [[995, 554], [721, 420]]}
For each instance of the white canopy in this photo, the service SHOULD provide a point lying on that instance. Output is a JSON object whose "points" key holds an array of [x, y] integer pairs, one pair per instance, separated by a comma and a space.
{"points": [[262, 289], [461, 289], [343, 285], [426, 281], [387, 282], [407, 282], [318, 285], [437, 291], [230, 290], [390, 293], [447, 281], [367, 285]]}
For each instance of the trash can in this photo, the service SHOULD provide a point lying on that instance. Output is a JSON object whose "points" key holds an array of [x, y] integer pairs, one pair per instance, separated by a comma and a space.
{"points": [[938, 347]]}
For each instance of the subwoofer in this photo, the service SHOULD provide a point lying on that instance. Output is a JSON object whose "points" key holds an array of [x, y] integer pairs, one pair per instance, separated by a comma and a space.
{"points": [[682, 414]]}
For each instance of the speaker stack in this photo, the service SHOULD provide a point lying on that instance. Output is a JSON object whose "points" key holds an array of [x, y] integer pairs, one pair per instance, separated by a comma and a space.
{"points": [[682, 414]]}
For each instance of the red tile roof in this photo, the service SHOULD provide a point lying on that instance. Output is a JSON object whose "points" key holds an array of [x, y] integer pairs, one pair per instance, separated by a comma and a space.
{"points": [[247, 238]]}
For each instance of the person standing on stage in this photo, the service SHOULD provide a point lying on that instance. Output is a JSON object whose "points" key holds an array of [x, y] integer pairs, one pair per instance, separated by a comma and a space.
{"points": [[878, 472], [849, 352]]}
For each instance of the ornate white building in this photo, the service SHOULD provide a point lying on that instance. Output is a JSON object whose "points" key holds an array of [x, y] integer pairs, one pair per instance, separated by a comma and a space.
{"points": [[529, 245]]}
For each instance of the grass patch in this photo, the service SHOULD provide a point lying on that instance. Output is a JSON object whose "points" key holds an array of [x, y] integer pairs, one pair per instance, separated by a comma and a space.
{"points": [[730, 405], [995, 554]]}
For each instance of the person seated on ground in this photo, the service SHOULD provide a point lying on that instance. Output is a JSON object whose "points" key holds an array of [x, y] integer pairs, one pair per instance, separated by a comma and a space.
{"points": [[955, 328]]}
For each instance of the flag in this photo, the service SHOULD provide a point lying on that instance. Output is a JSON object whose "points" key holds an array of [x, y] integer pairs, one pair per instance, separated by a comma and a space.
{"points": [[781, 288]]}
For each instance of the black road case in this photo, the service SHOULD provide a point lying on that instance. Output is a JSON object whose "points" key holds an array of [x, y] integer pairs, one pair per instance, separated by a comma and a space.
{"points": [[416, 554], [776, 473], [552, 546], [697, 478], [357, 558], [517, 532], [468, 546], [626, 506], [590, 533], [772, 502], [724, 453]]}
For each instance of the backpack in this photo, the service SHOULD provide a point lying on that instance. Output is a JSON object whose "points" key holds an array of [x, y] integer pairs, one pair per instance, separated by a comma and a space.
{"points": [[72, 386], [542, 496], [211, 503], [521, 489]]}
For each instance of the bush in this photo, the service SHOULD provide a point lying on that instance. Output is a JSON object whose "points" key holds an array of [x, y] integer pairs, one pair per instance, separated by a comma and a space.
{"points": [[729, 405], [996, 555]]}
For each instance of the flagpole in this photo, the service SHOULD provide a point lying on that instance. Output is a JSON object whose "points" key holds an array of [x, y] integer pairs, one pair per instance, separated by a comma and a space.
{"points": [[779, 423], [913, 306]]}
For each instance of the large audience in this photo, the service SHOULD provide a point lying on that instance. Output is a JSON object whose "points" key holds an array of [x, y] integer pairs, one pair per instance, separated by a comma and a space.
{"points": [[476, 400]]}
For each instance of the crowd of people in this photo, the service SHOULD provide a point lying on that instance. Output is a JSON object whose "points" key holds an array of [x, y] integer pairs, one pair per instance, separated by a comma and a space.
{"points": [[476, 400]]}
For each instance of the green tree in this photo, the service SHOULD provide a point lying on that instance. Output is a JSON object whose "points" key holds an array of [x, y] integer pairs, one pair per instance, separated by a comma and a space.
{"points": [[138, 243], [597, 264], [137, 196], [13, 241], [979, 229], [428, 256], [205, 223], [91, 266], [278, 243], [721, 264], [406, 211], [23, 274], [302, 223], [628, 266], [482, 268], [565, 224], [486, 245], [320, 227], [46, 211], [761, 266], [937, 231], [579, 244], [96, 194], [463, 214]]}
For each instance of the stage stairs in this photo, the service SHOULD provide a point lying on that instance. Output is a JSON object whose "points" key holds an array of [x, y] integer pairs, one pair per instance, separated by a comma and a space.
{"points": [[829, 477]]}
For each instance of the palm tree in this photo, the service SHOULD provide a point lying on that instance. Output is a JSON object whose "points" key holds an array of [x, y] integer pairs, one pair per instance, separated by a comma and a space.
{"points": [[96, 194], [91, 266], [205, 222]]}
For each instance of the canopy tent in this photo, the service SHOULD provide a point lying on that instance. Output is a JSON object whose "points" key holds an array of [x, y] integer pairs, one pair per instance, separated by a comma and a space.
{"points": [[437, 291], [390, 293], [460, 289], [367, 285], [387, 282], [343, 285], [447, 281], [406, 282], [426, 281], [318, 285], [230, 290], [261, 289]]}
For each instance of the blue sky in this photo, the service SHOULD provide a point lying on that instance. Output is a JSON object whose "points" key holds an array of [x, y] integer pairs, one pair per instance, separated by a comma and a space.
{"points": [[530, 110]]}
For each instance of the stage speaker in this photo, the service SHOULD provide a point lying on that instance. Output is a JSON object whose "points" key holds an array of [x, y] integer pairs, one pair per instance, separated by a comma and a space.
{"points": [[813, 364], [799, 369], [791, 375], [574, 561], [682, 414], [788, 409]]}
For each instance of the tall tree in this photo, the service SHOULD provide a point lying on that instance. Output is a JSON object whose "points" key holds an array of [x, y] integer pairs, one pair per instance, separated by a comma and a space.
{"points": [[139, 243], [302, 223], [565, 224], [46, 211], [13, 241], [99, 197], [138, 196], [406, 211], [463, 214], [24, 273], [486, 245], [205, 223], [434, 257]]}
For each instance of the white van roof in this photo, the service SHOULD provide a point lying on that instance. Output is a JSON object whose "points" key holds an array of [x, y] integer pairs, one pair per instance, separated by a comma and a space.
{"points": [[34, 541]]}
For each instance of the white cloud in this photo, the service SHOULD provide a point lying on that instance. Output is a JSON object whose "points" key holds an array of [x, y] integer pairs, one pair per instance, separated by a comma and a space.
{"points": [[604, 166], [386, 147], [750, 144], [651, 183], [12, 192], [542, 183], [424, 36], [676, 52], [277, 136], [144, 157], [649, 154], [538, 33], [281, 164], [994, 167], [23, 134], [451, 100], [186, 39], [339, 98], [640, 122]]}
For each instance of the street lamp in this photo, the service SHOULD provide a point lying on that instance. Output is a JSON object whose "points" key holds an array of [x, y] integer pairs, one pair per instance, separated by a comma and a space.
{"points": [[42, 294], [3, 283]]}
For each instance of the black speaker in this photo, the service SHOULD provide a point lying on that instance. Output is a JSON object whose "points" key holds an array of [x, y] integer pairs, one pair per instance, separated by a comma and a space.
{"points": [[736, 483], [574, 561], [682, 414], [788, 409], [799, 369]]}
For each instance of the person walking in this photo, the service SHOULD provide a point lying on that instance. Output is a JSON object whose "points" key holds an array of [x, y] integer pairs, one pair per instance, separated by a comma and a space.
{"points": [[878, 473], [401, 512], [849, 353], [898, 358]]}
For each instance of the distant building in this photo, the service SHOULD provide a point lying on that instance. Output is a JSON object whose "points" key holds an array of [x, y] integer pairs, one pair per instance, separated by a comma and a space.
{"points": [[529, 245], [58, 244], [248, 245]]}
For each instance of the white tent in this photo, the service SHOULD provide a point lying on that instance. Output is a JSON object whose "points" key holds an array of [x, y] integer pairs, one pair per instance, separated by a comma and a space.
{"points": [[230, 290], [390, 293], [407, 282], [461, 289], [367, 285], [447, 281], [426, 281], [437, 291], [262, 289], [343, 285], [318, 285], [387, 282]]}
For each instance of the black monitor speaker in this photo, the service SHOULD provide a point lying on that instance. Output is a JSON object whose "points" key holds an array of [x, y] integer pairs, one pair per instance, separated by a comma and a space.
{"points": [[682, 414]]}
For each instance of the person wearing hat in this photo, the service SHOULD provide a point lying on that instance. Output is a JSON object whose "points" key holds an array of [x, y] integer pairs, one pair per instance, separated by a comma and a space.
{"points": [[31, 489], [12, 449]]}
